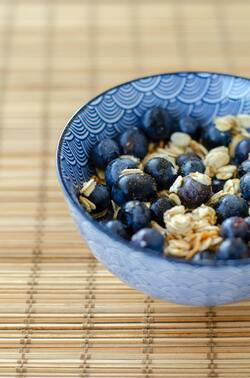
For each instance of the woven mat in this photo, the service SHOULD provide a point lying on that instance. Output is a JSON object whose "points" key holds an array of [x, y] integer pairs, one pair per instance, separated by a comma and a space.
{"points": [[61, 313]]}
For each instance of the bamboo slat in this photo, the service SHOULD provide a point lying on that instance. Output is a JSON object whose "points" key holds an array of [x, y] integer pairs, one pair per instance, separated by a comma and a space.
{"points": [[61, 313]]}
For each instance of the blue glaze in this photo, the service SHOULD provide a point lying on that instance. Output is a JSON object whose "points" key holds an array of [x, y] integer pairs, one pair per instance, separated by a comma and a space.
{"points": [[199, 94]]}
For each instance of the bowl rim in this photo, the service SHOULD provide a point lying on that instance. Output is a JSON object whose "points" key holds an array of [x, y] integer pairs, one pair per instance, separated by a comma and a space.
{"points": [[101, 228]]}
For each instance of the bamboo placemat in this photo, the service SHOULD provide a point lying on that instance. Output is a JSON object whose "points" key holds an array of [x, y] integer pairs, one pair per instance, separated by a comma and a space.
{"points": [[61, 313]]}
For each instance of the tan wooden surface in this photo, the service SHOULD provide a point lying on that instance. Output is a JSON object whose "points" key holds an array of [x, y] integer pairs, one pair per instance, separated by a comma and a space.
{"points": [[61, 313]]}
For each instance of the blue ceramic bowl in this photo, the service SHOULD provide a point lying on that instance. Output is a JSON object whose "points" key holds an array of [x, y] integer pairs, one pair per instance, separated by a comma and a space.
{"points": [[200, 94]]}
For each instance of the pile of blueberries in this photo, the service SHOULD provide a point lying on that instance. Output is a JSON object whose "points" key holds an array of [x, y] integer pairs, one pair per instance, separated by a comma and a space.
{"points": [[138, 195]]}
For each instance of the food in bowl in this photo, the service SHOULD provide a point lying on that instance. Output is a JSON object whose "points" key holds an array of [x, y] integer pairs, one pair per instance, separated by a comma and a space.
{"points": [[176, 187]]}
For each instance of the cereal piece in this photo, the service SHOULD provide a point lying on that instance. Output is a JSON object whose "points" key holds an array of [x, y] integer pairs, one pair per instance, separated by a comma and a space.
{"points": [[226, 172], [235, 140], [162, 153], [100, 175], [173, 197], [204, 212], [168, 155], [173, 149], [100, 215], [215, 197], [245, 133], [116, 209], [244, 120], [198, 149], [179, 224], [129, 171], [203, 225], [202, 241], [180, 139], [158, 228], [88, 187], [225, 123], [217, 157], [209, 171], [174, 211], [152, 147], [201, 178], [178, 248], [232, 186], [87, 204], [131, 157], [176, 185]]}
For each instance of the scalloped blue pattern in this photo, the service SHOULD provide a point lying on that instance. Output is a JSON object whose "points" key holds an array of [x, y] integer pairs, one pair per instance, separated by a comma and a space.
{"points": [[200, 94]]}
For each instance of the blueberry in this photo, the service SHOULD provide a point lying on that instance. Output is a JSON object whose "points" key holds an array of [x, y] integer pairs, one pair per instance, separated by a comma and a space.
{"points": [[134, 215], [217, 185], [148, 238], [189, 126], [162, 171], [193, 165], [231, 206], [232, 249], [235, 227], [245, 186], [192, 193], [157, 124], [204, 257], [117, 228], [134, 142], [115, 167], [134, 186], [242, 150], [212, 137], [159, 207], [104, 152], [100, 197], [183, 158], [244, 168]]}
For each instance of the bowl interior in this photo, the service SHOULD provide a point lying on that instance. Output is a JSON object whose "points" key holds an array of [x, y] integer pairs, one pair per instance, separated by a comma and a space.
{"points": [[199, 94]]}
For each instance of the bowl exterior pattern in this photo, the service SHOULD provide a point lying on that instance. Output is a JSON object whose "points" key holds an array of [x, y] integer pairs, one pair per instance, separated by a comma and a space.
{"points": [[201, 95]]}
